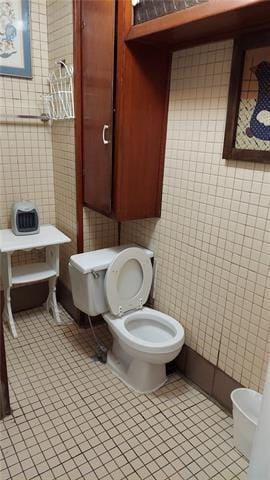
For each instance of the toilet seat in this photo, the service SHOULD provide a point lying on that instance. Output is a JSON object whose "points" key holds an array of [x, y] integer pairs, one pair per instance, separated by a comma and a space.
{"points": [[121, 327], [128, 281]]}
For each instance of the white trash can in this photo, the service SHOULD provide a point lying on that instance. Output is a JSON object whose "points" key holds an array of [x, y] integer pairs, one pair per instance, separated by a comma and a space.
{"points": [[246, 411]]}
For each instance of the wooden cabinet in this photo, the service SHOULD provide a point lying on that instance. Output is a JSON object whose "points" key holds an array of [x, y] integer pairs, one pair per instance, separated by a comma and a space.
{"points": [[121, 88], [123, 113], [98, 29]]}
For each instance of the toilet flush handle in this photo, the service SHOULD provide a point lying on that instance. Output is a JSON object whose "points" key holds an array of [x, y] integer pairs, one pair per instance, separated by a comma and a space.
{"points": [[95, 274]]}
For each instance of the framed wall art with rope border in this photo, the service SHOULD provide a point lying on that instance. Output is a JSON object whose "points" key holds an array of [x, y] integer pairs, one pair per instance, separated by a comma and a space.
{"points": [[247, 132]]}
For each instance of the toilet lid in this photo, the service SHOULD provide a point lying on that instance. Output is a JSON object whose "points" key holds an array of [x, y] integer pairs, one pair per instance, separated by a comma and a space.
{"points": [[128, 281]]}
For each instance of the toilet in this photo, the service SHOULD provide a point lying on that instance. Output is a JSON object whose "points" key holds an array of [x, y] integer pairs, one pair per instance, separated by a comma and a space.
{"points": [[115, 282]]}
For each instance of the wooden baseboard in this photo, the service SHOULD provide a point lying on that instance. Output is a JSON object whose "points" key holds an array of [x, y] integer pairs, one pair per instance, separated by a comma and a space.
{"points": [[4, 393], [207, 376]]}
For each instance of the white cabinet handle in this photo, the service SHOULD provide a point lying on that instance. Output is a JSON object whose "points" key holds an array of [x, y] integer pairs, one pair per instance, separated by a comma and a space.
{"points": [[105, 128]]}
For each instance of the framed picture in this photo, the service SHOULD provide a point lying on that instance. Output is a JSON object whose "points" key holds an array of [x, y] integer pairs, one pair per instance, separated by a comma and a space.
{"points": [[247, 133], [15, 46]]}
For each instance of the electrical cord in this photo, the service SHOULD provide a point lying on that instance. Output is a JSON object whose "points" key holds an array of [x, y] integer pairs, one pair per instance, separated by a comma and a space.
{"points": [[101, 350]]}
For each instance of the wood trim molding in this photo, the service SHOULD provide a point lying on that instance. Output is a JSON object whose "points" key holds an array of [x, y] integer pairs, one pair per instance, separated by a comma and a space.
{"points": [[4, 392], [78, 119], [233, 101]]}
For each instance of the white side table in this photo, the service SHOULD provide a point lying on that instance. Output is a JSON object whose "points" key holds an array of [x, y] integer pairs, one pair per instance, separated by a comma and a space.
{"points": [[49, 238]]}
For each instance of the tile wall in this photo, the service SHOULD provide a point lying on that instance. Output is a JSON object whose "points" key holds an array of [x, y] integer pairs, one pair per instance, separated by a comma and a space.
{"points": [[99, 231], [212, 240], [26, 164], [60, 42]]}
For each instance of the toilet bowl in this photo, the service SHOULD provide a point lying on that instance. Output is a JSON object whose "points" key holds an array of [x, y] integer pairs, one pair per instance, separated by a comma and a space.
{"points": [[143, 342], [116, 283]]}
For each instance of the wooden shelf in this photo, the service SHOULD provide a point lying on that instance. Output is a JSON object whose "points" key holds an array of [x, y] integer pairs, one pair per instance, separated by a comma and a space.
{"points": [[34, 272], [214, 20]]}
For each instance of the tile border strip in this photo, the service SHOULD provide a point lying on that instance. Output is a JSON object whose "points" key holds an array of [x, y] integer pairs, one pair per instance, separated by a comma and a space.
{"points": [[210, 378]]}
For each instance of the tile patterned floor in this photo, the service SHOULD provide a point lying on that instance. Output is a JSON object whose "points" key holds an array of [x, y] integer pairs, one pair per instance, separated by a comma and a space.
{"points": [[72, 419]]}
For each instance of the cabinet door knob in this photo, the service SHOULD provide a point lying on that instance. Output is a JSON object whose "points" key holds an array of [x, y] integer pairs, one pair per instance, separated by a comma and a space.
{"points": [[105, 128]]}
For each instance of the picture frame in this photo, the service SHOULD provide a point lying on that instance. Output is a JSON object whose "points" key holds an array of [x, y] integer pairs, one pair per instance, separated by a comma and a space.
{"points": [[247, 130], [15, 42]]}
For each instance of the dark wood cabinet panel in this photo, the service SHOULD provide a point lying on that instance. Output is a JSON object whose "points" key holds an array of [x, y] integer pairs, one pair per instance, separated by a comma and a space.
{"points": [[97, 49], [123, 162], [143, 75]]}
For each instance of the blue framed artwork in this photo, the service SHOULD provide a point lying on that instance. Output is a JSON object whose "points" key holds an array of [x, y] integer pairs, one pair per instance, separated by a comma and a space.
{"points": [[15, 45]]}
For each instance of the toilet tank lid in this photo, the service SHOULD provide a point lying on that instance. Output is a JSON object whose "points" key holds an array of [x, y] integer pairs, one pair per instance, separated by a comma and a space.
{"points": [[101, 259]]}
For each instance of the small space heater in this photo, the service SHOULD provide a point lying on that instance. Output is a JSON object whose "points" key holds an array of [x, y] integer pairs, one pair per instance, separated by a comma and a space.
{"points": [[24, 218]]}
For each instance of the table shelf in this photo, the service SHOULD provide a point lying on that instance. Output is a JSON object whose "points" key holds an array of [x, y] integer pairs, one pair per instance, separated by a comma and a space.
{"points": [[49, 238], [34, 272]]}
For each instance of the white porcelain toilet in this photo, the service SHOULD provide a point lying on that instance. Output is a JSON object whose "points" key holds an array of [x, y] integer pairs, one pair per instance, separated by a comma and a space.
{"points": [[116, 282]]}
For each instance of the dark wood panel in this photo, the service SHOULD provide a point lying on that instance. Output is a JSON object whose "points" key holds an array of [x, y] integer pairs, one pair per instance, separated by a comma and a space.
{"points": [[4, 393], [143, 75], [97, 47], [77, 49], [233, 101], [211, 21]]}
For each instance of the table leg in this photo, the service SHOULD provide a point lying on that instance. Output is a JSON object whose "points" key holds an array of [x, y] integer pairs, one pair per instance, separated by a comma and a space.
{"points": [[7, 312], [51, 304]]}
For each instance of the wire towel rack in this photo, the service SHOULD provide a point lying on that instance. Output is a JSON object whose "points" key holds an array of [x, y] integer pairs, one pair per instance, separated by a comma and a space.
{"points": [[59, 103], [44, 117]]}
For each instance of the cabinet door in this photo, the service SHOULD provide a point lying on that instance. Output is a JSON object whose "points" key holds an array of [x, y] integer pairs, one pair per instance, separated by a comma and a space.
{"points": [[98, 25]]}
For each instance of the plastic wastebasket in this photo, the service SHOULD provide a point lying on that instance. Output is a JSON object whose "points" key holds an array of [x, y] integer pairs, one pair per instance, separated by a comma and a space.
{"points": [[246, 411]]}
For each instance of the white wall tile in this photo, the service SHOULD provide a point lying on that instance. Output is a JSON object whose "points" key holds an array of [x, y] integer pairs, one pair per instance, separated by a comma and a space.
{"points": [[211, 242], [26, 165]]}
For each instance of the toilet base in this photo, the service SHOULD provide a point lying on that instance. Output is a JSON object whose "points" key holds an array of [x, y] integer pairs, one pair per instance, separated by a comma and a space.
{"points": [[141, 376]]}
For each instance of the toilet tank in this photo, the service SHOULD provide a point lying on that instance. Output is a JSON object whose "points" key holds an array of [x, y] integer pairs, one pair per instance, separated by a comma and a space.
{"points": [[87, 272]]}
